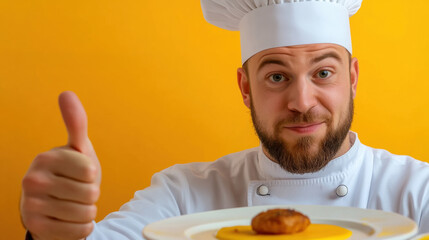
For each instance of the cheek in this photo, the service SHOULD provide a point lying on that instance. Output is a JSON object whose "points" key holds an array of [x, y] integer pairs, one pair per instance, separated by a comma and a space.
{"points": [[337, 103], [268, 106]]}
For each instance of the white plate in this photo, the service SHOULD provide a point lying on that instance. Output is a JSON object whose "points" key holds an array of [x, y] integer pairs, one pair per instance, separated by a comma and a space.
{"points": [[421, 237], [364, 223]]}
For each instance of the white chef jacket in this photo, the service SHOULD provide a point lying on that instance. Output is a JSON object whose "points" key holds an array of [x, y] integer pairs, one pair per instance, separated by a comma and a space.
{"points": [[374, 178]]}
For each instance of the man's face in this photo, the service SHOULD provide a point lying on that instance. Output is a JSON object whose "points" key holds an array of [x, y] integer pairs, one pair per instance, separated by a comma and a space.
{"points": [[301, 101]]}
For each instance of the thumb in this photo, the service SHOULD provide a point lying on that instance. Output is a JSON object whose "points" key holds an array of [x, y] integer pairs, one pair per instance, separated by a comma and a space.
{"points": [[76, 122]]}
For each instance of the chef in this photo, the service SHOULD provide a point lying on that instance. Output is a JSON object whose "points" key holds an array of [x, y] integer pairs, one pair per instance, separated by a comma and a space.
{"points": [[299, 81]]}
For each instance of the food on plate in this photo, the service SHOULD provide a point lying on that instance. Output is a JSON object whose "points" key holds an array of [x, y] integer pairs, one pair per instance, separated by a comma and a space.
{"points": [[283, 224], [280, 221], [313, 232]]}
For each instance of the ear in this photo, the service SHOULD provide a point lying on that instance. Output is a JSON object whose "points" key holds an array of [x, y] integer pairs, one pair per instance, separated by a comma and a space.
{"points": [[354, 75], [244, 85]]}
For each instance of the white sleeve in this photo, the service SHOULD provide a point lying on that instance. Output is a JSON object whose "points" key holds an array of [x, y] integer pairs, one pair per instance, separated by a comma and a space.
{"points": [[420, 199], [424, 218], [159, 201]]}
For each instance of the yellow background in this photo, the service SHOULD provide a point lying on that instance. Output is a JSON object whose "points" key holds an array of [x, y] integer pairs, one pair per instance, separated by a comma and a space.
{"points": [[159, 86]]}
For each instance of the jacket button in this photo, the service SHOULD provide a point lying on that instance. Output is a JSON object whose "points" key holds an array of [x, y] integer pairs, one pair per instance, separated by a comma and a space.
{"points": [[341, 190], [263, 190]]}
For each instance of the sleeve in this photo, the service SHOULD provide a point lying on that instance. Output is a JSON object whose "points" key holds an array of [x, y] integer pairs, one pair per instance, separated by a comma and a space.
{"points": [[424, 221], [419, 199], [163, 199], [424, 216], [416, 196]]}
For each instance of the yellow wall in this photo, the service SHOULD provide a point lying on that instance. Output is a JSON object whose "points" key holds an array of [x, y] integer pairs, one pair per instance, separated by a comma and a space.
{"points": [[159, 86]]}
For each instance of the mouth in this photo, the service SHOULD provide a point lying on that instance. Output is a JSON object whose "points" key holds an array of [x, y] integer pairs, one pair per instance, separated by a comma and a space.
{"points": [[304, 127]]}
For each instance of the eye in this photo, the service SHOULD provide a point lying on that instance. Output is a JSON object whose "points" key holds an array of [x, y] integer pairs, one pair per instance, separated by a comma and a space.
{"points": [[324, 74], [277, 78]]}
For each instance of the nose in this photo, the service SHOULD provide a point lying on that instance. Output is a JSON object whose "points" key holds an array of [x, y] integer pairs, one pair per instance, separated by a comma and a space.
{"points": [[301, 96]]}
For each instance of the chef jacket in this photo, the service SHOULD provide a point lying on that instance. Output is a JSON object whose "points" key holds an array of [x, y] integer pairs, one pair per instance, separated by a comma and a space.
{"points": [[363, 177]]}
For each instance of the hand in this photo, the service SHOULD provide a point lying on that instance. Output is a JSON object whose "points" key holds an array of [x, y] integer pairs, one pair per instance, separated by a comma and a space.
{"points": [[61, 187]]}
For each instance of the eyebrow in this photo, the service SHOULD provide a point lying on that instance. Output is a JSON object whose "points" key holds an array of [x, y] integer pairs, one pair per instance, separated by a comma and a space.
{"points": [[271, 61], [333, 55]]}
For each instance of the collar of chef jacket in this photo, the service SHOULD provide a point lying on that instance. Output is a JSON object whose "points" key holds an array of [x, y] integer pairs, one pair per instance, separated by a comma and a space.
{"points": [[282, 187]]}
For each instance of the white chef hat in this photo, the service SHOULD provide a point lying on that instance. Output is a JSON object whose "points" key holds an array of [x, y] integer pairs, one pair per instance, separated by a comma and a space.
{"points": [[265, 24]]}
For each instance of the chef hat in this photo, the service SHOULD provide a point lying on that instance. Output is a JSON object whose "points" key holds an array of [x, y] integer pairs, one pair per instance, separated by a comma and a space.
{"points": [[265, 24]]}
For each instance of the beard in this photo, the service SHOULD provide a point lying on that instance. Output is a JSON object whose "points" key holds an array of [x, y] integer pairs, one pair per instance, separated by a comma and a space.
{"points": [[297, 158]]}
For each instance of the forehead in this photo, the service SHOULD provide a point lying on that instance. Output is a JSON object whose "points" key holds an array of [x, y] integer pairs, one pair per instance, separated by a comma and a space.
{"points": [[299, 52]]}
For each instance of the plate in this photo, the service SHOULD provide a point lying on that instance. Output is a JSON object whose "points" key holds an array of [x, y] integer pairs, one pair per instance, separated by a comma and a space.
{"points": [[424, 236], [364, 223]]}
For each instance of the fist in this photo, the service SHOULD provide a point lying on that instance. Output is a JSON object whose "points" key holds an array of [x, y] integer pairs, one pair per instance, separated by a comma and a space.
{"points": [[61, 187]]}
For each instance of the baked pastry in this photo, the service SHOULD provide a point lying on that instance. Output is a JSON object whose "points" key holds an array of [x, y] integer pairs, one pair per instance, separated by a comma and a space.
{"points": [[280, 221]]}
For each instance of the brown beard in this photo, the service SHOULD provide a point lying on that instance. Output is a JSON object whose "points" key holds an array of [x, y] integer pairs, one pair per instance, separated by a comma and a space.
{"points": [[296, 158]]}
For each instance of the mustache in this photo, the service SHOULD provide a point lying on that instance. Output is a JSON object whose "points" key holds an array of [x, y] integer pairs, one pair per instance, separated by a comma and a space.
{"points": [[308, 117]]}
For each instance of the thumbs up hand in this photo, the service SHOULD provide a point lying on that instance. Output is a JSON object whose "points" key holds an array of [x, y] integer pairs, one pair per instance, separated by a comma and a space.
{"points": [[61, 187]]}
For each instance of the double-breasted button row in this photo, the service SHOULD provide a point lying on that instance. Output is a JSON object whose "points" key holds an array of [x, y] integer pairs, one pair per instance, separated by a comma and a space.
{"points": [[341, 190]]}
